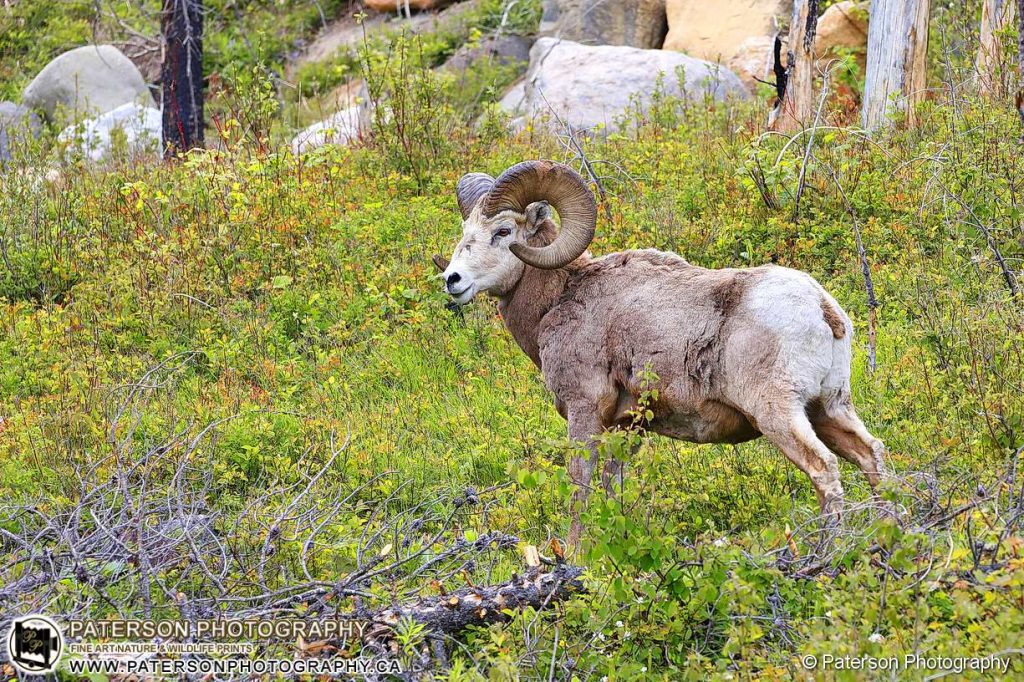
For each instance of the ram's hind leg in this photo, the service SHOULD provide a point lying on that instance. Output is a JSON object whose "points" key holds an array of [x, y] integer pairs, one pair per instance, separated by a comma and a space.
{"points": [[842, 430], [791, 431]]}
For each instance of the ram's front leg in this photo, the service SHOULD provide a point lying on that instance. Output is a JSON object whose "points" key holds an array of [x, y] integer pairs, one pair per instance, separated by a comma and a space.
{"points": [[584, 428]]}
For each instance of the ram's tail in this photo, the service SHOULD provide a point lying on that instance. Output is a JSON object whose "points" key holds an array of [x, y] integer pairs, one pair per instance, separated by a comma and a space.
{"points": [[833, 318]]}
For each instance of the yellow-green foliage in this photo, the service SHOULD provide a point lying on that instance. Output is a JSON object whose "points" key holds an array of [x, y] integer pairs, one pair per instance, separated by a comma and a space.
{"points": [[298, 294]]}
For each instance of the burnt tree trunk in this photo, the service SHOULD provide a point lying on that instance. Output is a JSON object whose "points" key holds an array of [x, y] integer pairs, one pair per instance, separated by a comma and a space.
{"points": [[895, 76], [796, 106], [181, 75], [993, 70]]}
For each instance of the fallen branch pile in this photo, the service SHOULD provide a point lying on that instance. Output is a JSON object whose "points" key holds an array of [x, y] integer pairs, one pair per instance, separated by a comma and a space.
{"points": [[129, 546], [990, 513], [142, 539]]}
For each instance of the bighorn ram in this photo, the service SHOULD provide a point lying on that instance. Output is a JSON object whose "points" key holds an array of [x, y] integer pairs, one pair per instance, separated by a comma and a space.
{"points": [[738, 353]]}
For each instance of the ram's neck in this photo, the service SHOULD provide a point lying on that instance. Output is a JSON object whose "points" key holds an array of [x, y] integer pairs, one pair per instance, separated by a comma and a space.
{"points": [[537, 291], [524, 307]]}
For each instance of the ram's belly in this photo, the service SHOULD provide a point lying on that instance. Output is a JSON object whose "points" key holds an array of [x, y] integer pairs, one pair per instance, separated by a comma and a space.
{"points": [[713, 422]]}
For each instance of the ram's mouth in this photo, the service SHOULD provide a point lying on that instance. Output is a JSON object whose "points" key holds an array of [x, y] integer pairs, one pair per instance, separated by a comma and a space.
{"points": [[464, 296]]}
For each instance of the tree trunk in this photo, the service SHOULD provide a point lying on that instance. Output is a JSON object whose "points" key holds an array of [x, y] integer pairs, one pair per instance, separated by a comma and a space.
{"points": [[896, 71], [796, 108], [993, 70], [182, 75]]}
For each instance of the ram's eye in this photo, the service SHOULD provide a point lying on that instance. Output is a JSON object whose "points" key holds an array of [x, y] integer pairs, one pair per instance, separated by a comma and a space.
{"points": [[503, 232]]}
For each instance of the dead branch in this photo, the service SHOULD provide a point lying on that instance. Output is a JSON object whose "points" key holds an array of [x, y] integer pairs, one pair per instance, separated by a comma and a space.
{"points": [[469, 606], [865, 269]]}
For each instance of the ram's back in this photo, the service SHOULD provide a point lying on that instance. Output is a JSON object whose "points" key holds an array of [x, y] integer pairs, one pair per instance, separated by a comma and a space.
{"points": [[636, 313]]}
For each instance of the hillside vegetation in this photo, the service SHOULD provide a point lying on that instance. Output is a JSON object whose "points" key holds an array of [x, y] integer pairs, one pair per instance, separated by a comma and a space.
{"points": [[258, 317]]}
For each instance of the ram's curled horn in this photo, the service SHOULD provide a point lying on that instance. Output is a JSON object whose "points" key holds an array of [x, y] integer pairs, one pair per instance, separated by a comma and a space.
{"points": [[471, 187], [440, 262], [565, 190]]}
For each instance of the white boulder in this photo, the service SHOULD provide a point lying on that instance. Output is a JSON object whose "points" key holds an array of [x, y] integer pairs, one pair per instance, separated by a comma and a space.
{"points": [[588, 86], [350, 123], [89, 80], [512, 100], [341, 128], [130, 128]]}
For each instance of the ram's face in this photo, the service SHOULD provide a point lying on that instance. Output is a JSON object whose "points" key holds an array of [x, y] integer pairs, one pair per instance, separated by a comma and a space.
{"points": [[502, 217], [482, 261]]}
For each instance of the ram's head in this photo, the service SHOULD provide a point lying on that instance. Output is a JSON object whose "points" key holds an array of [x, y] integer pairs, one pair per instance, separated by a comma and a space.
{"points": [[502, 223]]}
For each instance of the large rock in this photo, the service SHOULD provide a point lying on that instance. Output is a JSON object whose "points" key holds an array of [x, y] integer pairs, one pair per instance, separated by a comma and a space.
{"points": [[637, 23], [507, 49], [351, 121], [590, 86], [717, 33], [130, 128], [400, 5], [341, 128], [349, 33], [513, 99], [753, 61], [843, 25], [17, 125], [90, 80]]}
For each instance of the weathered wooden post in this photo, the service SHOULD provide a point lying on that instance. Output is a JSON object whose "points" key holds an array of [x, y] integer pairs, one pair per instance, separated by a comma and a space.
{"points": [[993, 75], [796, 109], [181, 75], [896, 71]]}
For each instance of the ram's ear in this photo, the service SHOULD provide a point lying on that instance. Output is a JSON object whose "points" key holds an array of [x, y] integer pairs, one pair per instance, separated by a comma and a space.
{"points": [[440, 261], [537, 213]]}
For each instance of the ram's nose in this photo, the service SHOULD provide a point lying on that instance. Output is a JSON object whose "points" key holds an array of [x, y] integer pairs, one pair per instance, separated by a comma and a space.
{"points": [[452, 282]]}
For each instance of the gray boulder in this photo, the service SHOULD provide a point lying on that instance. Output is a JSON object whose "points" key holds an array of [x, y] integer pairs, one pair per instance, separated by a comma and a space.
{"points": [[588, 87], [512, 100], [130, 128], [351, 121], [508, 49], [17, 125], [341, 128], [637, 23], [90, 80]]}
